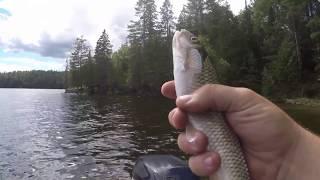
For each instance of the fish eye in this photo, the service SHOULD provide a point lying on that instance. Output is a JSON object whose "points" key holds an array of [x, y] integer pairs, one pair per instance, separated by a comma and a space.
{"points": [[194, 38]]}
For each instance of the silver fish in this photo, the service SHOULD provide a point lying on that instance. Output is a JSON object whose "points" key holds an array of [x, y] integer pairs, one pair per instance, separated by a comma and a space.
{"points": [[190, 73]]}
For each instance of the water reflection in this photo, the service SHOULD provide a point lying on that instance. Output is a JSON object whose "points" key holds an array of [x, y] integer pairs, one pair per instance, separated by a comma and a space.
{"points": [[46, 134], [103, 136]]}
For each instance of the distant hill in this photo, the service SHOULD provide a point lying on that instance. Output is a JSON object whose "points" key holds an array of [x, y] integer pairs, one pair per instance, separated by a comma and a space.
{"points": [[32, 79]]}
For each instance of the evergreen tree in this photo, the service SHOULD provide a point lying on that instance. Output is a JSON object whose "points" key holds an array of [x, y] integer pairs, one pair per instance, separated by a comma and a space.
{"points": [[78, 58], [192, 16], [167, 20], [89, 73], [144, 27], [272, 46], [165, 64], [67, 75], [120, 60], [183, 19], [33, 79], [103, 52], [143, 39]]}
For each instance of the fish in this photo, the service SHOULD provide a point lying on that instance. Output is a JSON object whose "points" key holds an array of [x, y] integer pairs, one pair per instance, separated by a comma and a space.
{"points": [[191, 71]]}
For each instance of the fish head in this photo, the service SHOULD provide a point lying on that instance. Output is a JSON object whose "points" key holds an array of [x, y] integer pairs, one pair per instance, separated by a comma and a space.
{"points": [[182, 42], [187, 61], [183, 39]]}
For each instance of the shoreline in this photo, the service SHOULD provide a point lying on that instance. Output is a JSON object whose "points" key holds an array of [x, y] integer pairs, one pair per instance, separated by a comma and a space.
{"points": [[293, 101], [303, 101]]}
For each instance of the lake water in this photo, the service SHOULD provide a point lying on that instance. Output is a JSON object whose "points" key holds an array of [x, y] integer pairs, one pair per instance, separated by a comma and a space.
{"points": [[47, 134]]}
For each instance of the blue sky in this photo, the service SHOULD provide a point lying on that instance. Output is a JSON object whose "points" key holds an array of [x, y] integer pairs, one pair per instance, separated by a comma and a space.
{"points": [[37, 34], [5, 12]]}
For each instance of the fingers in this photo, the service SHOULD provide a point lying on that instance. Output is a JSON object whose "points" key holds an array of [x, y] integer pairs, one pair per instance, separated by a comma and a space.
{"points": [[168, 90], [198, 144], [202, 163], [178, 119], [218, 98], [205, 164]]}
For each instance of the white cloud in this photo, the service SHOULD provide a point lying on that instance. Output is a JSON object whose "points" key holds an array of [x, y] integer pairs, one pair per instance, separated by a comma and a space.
{"points": [[43, 25], [60, 18]]}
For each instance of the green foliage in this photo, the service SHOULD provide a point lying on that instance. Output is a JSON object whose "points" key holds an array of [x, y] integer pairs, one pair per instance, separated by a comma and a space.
{"points": [[103, 52], [144, 28], [32, 79], [149, 51], [84, 71], [221, 65], [272, 46], [289, 47], [167, 20], [192, 16], [120, 61], [76, 62], [88, 71], [269, 46]]}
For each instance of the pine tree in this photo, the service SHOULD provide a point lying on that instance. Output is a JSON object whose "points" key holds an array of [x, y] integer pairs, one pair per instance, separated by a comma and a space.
{"points": [[167, 20], [103, 48], [184, 20], [78, 58], [192, 16], [103, 52], [143, 39], [143, 28], [67, 75], [88, 72]]}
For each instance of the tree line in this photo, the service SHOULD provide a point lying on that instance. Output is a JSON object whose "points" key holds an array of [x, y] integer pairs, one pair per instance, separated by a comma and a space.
{"points": [[272, 46], [141, 65], [32, 79]]}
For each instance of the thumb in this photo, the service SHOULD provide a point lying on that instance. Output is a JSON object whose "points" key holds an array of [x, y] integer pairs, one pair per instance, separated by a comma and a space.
{"points": [[214, 97]]}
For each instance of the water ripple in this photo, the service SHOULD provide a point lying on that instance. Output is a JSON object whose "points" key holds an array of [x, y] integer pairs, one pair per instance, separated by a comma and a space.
{"points": [[47, 134]]}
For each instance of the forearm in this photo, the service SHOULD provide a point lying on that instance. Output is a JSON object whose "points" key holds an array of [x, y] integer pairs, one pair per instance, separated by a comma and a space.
{"points": [[303, 162]]}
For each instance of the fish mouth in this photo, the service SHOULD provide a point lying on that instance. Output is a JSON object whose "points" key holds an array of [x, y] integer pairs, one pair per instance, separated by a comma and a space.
{"points": [[193, 40]]}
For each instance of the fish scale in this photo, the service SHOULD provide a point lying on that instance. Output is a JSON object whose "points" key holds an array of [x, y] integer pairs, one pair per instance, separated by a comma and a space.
{"points": [[220, 137]]}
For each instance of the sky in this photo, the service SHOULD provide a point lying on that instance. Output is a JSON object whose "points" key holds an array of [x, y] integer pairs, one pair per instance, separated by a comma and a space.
{"points": [[37, 34]]}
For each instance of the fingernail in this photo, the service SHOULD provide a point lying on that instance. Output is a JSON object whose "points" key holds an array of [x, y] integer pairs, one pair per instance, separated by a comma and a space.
{"points": [[209, 162], [185, 98], [191, 138], [191, 134]]}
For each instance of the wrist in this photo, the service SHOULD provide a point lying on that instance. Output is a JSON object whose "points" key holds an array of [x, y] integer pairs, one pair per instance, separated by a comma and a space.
{"points": [[302, 160]]}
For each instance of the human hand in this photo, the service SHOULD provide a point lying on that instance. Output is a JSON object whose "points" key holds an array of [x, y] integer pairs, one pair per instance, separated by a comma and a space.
{"points": [[269, 137]]}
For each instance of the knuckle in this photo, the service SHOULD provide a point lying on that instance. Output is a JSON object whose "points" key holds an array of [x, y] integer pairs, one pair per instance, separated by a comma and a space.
{"points": [[245, 92], [205, 89], [209, 86]]}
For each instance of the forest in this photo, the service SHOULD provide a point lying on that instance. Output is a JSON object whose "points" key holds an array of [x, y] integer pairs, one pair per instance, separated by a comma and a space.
{"points": [[272, 47], [32, 79]]}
